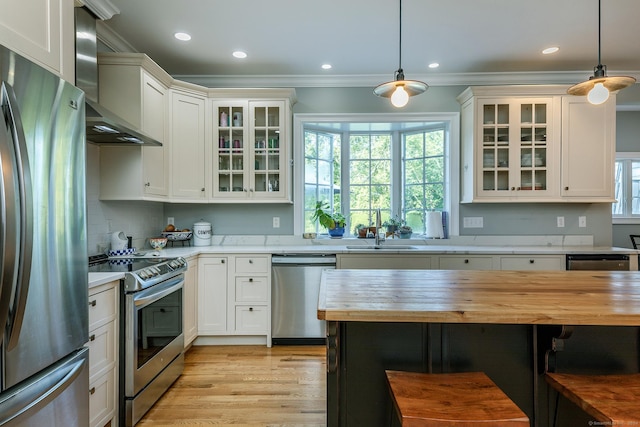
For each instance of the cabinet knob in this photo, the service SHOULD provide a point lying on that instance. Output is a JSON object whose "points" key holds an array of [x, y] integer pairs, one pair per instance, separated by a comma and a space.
{"points": [[466, 261], [566, 188], [513, 188], [221, 261], [202, 189], [250, 308], [93, 303], [92, 390], [250, 261], [92, 337], [531, 261], [251, 279]]}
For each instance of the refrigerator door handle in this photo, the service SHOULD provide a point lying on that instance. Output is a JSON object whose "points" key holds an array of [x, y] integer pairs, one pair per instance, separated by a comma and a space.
{"points": [[40, 391], [18, 295]]}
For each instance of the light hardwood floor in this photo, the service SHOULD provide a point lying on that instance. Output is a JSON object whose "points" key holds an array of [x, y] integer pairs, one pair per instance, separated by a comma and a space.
{"points": [[246, 386]]}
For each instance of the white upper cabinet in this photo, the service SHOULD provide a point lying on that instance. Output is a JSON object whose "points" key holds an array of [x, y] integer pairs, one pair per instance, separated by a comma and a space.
{"points": [[135, 88], [188, 146], [588, 149], [535, 144], [41, 30]]}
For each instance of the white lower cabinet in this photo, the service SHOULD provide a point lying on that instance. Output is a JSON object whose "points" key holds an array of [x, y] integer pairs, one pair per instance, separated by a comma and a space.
{"points": [[466, 262], [234, 299], [384, 261], [190, 302], [532, 262], [103, 355]]}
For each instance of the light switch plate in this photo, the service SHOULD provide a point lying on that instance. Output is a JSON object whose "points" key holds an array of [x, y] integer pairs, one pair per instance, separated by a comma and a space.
{"points": [[473, 222], [582, 221], [276, 222], [560, 221]]}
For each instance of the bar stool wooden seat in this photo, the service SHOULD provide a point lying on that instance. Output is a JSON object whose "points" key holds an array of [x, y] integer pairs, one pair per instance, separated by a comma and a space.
{"points": [[612, 399], [457, 399]]}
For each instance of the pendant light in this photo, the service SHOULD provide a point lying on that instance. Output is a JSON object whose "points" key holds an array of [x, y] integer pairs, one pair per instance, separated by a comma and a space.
{"points": [[598, 87], [399, 90]]}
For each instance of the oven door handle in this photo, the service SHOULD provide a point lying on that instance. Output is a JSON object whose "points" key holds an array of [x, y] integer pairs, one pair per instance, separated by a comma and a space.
{"points": [[155, 293]]}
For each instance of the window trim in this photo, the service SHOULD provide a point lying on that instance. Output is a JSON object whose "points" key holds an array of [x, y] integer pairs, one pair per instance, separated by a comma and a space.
{"points": [[452, 178], [626, 155]]}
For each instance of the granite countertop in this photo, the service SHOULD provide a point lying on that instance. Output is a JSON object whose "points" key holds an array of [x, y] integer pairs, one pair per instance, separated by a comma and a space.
{"points": [[260, 245]]}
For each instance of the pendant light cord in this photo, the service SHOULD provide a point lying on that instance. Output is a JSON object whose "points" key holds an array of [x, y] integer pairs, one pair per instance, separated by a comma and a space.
{"points": [[599, 30], [400, 39]]}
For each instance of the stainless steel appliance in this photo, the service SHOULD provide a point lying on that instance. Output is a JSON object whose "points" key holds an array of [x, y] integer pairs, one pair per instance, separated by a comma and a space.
{"points": [[152, 340], [295, 281], [44, 378], [597, 262]]}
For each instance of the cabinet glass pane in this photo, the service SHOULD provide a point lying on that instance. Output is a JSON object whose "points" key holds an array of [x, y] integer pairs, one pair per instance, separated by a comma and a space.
{"points": [[503, 135], [541, 113], [526, 113], [503, 114], [236, 117], [488, 158]]}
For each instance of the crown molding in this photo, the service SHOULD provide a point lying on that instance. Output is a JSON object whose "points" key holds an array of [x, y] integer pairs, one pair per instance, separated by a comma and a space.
{"points": [[103, 9]]}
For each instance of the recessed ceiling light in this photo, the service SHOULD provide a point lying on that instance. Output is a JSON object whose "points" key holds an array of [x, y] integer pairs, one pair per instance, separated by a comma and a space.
{"points": [[434, 65], [182, 36], [326, 66], [239, 54], [550, 50]]}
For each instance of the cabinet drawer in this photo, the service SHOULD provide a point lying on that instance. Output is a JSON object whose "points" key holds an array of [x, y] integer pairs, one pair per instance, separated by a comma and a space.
{"points": [[252, 318], [102, 307], [466, 262], [252, 264], [102, 399], [102, 350], [249, 289], [532, 262]]}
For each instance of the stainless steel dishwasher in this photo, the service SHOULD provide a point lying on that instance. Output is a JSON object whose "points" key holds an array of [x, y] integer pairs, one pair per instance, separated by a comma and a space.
{"points": [[598, 262], [295, 280]]}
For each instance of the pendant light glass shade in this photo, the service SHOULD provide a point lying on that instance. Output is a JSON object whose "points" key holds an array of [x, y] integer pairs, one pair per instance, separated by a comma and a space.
{"points": [[399, 89], [598, 87]]}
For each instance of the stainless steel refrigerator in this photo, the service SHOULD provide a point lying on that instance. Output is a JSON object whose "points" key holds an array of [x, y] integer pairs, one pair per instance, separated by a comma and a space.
{"points": [[43, 255]]}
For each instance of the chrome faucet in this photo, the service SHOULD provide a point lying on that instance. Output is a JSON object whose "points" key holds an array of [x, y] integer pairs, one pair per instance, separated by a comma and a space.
{"points": [[378, 227]]}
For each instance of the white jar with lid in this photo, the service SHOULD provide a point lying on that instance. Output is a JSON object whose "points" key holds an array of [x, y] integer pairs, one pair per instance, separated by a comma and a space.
{"points": [[202, 233]]}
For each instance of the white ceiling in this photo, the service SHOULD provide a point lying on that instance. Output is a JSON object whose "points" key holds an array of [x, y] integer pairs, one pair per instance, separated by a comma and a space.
{"points": [[475, 41]]}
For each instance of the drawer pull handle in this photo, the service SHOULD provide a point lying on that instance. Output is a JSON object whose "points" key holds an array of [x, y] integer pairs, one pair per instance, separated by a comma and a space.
{"points": [[250, 308], [250, 261], [92, 390], [221, 261], [93, 303], [92, 337], [531, 261], [466, 261], [251, 279]]}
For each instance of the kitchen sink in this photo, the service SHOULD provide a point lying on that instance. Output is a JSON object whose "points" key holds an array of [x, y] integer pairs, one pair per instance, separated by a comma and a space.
{"points": [[382, 247]]}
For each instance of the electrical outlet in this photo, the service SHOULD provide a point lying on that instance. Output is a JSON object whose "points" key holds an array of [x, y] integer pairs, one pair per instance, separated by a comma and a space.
{"points": [[171, 220], [560, 220], [473, 222], [582, 221], [276, 222]]}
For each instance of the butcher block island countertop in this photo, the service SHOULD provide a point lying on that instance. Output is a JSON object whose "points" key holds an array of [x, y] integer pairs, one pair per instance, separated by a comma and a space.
{"points": [[491, 297]]}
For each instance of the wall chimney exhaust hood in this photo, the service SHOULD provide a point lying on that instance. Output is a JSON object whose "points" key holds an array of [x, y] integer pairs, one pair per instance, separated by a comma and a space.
{"points": [[103, 126]]}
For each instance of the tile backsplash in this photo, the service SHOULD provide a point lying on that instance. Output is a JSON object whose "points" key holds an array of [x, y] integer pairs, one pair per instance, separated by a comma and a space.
{"points": [[138, 219]]}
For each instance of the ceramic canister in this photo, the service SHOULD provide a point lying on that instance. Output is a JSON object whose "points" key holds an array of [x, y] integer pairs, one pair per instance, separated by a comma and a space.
{"points": [[202, 233], [118, 241]]}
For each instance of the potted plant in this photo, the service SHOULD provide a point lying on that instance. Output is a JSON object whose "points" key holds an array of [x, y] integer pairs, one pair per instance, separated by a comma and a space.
{"points": [[333, 222], [360, 230], [393, 224], [404, 232]]}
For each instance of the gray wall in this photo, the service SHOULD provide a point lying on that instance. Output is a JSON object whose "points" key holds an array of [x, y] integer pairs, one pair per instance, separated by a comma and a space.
{"points": [[499, 219], [627, 139]]}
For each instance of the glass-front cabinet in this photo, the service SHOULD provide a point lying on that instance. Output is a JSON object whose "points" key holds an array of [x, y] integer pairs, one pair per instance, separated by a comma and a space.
{"points": [[515, 142], [250, 150]]}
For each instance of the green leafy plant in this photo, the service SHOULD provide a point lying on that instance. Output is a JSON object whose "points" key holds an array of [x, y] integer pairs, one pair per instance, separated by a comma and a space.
{"points": [[405, 229], [327, 219], [393, 222]]}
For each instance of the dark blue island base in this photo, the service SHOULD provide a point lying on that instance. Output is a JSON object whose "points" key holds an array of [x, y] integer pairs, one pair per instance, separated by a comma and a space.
{"points": [[513, 356]]}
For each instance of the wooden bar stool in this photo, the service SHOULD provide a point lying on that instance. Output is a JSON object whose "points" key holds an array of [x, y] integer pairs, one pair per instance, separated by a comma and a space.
{"points": [[612, 399], [458, 399]]}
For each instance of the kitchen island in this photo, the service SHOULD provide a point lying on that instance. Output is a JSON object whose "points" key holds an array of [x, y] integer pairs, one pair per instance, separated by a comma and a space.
{"points": [[499, 322]]}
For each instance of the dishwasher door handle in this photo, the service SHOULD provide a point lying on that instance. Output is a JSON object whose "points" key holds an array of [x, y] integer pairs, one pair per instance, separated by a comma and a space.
{"points": [[302, 260]]}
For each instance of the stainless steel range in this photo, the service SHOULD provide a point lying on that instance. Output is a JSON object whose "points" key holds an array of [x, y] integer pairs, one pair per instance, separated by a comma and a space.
{"points": [[151, 333]]}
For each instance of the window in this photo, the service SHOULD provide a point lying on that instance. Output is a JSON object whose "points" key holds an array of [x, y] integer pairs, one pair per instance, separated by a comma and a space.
{"points": [[401, 167], [627, 186]]}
